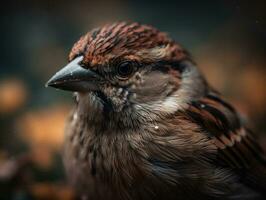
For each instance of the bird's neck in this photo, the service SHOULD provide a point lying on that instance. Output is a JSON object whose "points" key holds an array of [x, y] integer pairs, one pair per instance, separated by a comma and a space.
{"points": [[91, 109]]}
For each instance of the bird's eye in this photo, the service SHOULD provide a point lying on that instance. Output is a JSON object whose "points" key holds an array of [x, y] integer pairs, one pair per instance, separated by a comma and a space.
{"points": [[125, 69]]}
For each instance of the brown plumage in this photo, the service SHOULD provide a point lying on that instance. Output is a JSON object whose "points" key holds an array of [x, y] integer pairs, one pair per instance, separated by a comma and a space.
{"points": [[146, 124]]}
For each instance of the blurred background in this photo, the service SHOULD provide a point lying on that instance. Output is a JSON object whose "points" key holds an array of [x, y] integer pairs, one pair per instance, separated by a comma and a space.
{"points": [[227, 39]]}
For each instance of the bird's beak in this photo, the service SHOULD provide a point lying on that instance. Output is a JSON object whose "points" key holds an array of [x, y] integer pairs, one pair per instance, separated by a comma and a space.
{"points": [[75, 78]]}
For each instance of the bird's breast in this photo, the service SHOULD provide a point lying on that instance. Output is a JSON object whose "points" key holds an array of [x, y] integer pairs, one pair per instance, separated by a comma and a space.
{"points": [[95, 160]]}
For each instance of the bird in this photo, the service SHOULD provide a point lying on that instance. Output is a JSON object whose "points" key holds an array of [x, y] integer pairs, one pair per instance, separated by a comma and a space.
{"points": [[146, 125]]}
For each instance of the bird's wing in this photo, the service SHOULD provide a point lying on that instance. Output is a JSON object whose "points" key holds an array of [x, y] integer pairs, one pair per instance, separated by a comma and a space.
{"points": [[236, 146]]}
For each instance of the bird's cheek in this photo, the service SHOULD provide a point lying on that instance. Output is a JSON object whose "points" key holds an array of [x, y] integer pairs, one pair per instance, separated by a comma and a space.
{"points": [[148, 95], [115, 97]]}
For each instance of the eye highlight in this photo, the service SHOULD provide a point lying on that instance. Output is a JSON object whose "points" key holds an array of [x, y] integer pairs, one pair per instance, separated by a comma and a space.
{"points": [[126, 69]]}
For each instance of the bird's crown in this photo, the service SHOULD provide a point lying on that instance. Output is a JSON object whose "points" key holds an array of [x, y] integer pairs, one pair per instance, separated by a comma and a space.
{"points": [[130, 41]]}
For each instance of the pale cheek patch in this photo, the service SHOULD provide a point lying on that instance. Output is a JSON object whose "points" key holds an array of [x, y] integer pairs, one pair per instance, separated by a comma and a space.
{"points": [[154, 110], [191, 87], [171, 104], [168, 106]]}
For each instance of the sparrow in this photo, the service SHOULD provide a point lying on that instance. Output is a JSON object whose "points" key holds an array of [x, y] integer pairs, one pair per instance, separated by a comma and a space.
{"points": [[147, 126]]}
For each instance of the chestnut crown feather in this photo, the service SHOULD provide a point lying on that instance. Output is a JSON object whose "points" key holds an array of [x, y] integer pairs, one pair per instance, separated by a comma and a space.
{"points": [[131, 40]]}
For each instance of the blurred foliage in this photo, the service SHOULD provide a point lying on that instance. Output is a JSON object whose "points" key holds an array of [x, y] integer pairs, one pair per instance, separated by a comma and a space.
{"points": [[226, 37]]}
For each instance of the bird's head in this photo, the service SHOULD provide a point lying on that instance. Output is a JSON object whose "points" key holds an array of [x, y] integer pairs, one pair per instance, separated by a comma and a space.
{"points": [[130, 68]]}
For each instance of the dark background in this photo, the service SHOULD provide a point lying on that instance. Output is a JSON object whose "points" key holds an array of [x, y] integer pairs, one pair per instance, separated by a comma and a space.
{"points": [[227, 39]]}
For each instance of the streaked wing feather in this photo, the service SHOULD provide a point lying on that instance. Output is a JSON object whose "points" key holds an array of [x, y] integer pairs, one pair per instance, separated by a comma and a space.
{"points": [[237, 149]]}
